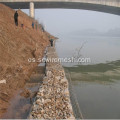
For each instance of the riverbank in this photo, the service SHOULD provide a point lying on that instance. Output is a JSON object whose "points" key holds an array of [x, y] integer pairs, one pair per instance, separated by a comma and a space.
{"points": [[53, 98], [17, 45], [21, 103]]}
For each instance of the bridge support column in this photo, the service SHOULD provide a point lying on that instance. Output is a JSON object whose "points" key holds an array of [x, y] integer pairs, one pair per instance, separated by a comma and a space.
{"points": [[32, 12]]}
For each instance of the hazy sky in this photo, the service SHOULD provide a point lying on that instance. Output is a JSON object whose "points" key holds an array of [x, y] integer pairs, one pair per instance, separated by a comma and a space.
{"points": [[62, 21]]}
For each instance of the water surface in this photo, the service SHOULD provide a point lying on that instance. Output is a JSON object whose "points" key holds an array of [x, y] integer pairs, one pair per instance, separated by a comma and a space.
{"points": [[96, 84]]}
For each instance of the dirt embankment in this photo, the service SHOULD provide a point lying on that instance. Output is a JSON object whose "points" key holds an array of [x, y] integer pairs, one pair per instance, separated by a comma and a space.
{"points": [[17, 44]]}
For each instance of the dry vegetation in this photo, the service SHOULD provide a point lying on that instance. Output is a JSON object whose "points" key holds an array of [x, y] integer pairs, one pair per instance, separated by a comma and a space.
{"points": [[17, 44]]}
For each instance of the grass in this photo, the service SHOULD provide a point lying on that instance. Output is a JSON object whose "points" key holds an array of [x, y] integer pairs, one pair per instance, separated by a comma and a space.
{"points": [[104, 72], [102, 67]]}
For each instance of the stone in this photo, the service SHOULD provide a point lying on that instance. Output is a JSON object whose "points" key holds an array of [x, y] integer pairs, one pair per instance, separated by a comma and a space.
{"points": [[43, 100], [39, 116], [47, 101], [38, 101], [57, 77], [53, 99], [3, 81]]}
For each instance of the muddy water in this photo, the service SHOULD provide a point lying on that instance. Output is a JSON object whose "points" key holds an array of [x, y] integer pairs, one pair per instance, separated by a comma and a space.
{"points": [[97, 90], [96, 84], [20, 104]]}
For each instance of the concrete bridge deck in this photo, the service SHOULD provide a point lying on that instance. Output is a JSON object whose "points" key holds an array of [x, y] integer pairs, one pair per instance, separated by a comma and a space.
{"points": [[115, 3], [107, 6]]}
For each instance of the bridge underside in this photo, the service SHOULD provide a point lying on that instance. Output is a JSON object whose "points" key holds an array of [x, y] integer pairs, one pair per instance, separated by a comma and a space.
{"points": [[65, 5]]}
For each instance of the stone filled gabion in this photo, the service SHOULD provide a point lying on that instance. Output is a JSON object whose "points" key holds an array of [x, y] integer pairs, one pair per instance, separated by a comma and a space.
{"points": [[53, 99]]}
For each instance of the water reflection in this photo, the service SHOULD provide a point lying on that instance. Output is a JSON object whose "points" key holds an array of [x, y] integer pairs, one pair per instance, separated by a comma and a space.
{"points": [[98, 89], [98, 101], [97, 84]]}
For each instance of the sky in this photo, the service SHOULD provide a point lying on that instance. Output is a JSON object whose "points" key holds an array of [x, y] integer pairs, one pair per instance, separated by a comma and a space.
{"points": [[64, 21]]}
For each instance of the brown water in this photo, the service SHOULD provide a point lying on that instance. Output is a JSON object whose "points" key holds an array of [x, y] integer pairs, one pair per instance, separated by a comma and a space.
{"points": [[20, 104]]}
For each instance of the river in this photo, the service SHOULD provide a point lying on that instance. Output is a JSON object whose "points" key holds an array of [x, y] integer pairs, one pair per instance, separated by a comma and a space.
{"points": [[97, 83]]}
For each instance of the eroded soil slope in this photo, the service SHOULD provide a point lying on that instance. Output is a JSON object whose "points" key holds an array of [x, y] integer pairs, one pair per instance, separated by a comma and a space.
{"points": [[17, 44]]}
